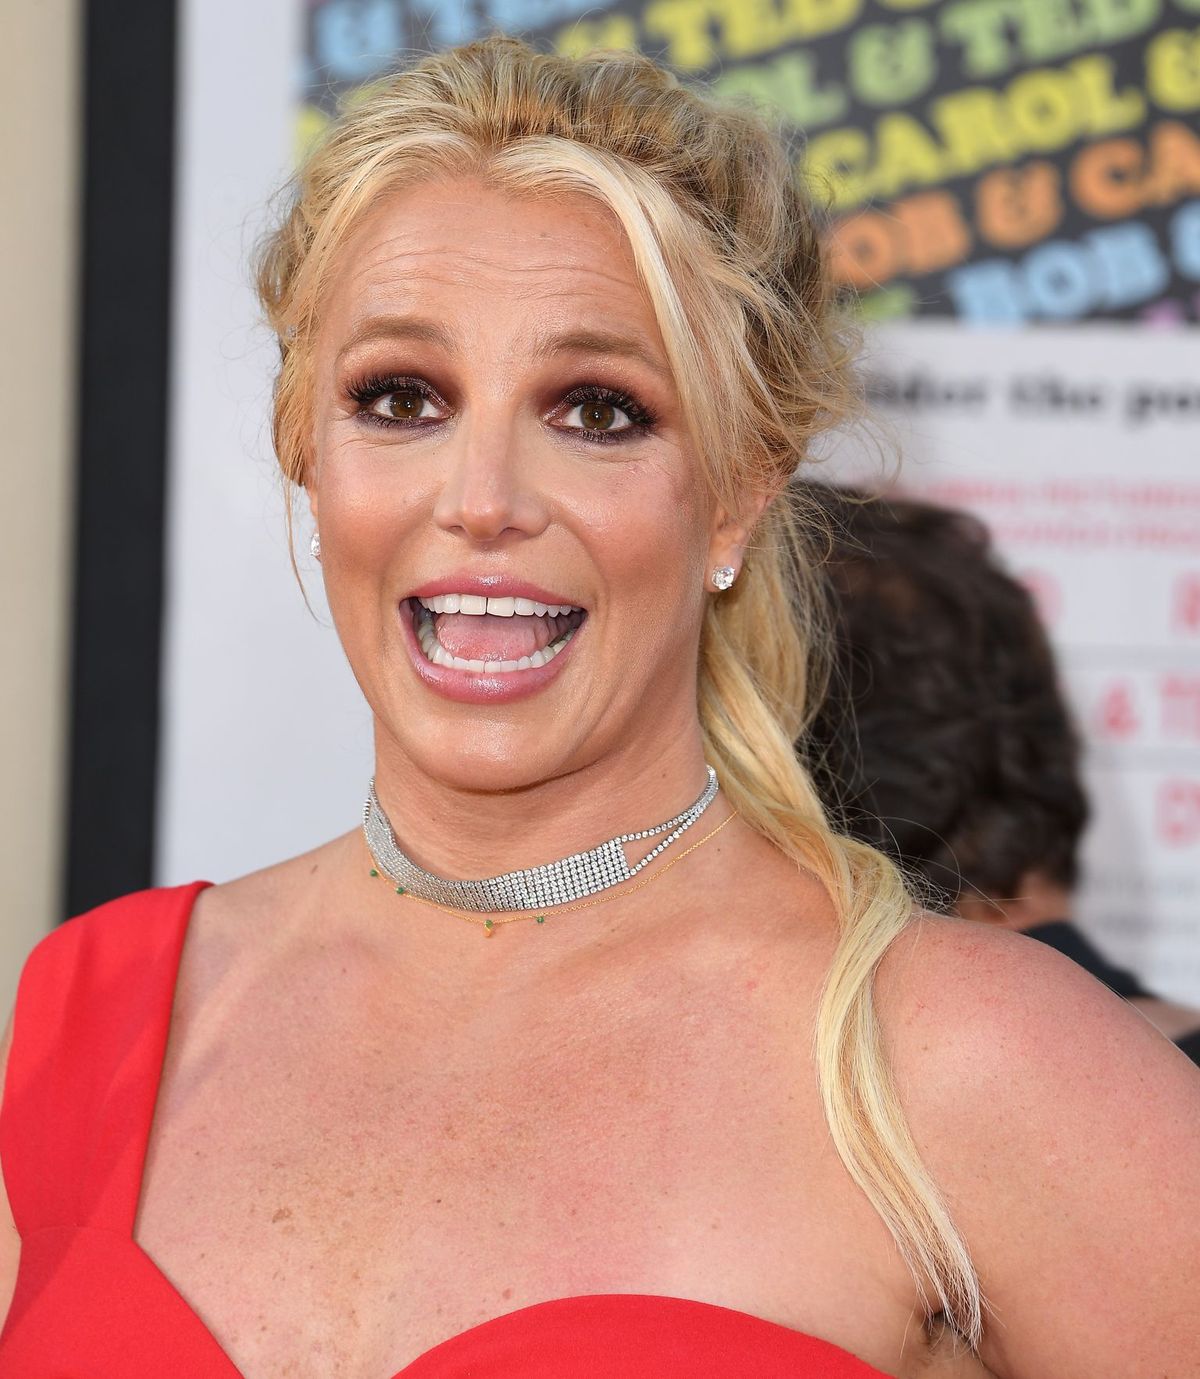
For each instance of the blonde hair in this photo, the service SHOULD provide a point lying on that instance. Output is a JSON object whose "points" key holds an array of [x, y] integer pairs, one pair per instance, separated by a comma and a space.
{"points": [[729, 253]]}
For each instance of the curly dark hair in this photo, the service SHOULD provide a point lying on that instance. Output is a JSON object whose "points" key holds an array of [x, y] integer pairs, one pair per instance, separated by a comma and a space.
{"points": [[945, 739]]}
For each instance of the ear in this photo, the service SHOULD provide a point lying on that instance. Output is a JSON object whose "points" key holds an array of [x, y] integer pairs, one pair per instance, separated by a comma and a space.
{"points": [[729, 534]]}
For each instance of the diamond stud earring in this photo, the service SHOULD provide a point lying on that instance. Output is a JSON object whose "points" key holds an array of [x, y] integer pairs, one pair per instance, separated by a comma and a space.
{"points": [[723, 577], [315, 545]]}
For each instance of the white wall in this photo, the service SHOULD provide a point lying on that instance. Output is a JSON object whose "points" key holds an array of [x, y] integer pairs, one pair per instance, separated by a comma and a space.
{"points": [[266, 744]]}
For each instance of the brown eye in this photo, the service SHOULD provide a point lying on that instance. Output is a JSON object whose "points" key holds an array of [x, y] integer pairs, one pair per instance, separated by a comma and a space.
{"points": [[404, 406], [598, 416]]}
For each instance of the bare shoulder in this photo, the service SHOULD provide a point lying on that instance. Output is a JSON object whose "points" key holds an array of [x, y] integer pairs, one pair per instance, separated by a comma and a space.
{"points": [[1064, 1131], [262, 901], [272, 886]]}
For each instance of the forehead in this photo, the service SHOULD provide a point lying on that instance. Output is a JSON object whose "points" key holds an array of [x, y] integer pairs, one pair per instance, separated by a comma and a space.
{"points": [[474, 250]]}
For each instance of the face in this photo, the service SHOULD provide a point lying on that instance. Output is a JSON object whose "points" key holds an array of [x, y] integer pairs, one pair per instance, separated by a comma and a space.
{"points": [[515, 535]]}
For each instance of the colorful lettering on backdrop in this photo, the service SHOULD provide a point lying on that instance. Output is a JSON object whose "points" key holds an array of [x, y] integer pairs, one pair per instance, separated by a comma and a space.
{"points": [[1000, 161]]}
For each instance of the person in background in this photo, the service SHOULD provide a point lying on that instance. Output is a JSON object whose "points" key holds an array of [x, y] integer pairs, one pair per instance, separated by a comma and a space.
{"points": [[945, 739]]}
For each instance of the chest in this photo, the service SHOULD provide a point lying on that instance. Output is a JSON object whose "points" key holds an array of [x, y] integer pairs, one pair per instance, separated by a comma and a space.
{"points": [[327, 1180]]}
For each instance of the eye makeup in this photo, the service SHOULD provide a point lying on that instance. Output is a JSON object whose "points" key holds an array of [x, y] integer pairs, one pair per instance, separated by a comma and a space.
{"points": [[640, 420], [370, 388]]}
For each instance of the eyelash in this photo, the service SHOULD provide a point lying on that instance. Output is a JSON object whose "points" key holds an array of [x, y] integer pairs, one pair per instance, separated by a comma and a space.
{"points": [[367, 390]]}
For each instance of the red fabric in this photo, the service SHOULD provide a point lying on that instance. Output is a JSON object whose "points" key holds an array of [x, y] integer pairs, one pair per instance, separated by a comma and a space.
{"points": [[92, 1017]]}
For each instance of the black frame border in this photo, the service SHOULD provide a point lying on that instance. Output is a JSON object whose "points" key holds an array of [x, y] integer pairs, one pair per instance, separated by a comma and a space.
{"points": [[121, 402]]}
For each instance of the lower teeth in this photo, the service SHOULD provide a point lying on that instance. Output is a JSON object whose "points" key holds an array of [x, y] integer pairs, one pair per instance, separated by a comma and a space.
{"points": [[439, 656]]}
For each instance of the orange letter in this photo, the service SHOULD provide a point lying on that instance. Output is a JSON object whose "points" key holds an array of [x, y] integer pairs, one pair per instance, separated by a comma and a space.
{"points": [[1018, 206], [1174, 163], [1108, 179], [863, 250], [933, 231]]}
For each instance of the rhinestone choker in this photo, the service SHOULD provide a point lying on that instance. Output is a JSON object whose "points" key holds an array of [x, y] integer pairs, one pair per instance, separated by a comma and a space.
{"points": [[534, 888]]}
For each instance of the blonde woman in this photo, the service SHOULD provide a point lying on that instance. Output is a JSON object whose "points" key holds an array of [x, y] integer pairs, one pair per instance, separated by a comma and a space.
{"points": [[470, 1091]]}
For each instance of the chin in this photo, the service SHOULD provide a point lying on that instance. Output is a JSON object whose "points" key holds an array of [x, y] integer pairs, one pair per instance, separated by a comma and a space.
{"points": [[488, 758]]}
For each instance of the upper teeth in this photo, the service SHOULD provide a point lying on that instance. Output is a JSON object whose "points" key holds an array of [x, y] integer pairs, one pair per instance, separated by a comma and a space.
{"points": [[477, 604]]}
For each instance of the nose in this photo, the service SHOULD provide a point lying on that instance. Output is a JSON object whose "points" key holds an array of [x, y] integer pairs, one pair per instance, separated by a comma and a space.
{"points": [[488, 488]]}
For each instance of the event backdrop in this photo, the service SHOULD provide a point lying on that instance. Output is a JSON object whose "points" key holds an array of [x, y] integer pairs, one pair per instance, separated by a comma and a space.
{"points": [[1014, 193], [998, 161]]}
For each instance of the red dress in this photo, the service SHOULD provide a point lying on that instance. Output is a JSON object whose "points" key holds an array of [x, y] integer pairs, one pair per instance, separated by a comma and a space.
{"points": [[90, 1031]]}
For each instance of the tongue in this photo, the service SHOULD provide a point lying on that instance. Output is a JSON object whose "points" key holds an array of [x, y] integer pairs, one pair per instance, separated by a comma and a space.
{"points": [[488, 638]]}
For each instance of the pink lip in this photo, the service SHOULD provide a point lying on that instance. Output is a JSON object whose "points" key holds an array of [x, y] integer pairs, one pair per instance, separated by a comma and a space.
{"points": [[482, 686], [492, 586]]}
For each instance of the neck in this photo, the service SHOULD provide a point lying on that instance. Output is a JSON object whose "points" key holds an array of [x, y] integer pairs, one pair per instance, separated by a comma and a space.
{"points": [[468, 833]]}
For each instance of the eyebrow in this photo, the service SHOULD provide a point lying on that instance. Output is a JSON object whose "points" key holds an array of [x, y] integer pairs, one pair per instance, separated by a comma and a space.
{"points": [[602, 342], [396, 328], [598, 342]]}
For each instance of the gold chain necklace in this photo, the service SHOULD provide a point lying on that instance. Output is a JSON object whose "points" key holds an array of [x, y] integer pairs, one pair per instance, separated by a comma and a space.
{"points": [[490, 925]]}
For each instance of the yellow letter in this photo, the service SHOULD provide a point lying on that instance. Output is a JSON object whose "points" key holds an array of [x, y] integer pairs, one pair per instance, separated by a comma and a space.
{"points": [[789, 84], [808, 18], [975, 130], [1173, 70], [979, 25], [686, 25], [586, 35], [1107, 111], [1045, 109], [907, 155], [837, 165]]}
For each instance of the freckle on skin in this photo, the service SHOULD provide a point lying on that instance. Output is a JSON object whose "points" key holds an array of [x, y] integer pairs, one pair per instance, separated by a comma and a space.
{"points": [[281, 1215], [506, 1294]]}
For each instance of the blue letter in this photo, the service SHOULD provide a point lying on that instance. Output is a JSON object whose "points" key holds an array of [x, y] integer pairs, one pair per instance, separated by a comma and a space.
{"points": [[1185, 240], [1132, 266], [985, 294], [354, 41], [1058, 282]]}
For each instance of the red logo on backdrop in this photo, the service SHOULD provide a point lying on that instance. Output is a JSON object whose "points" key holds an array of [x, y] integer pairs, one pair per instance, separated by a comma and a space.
{"points": [[1186, 614], [1179, 812], [1116, 714], [1180, 697]]}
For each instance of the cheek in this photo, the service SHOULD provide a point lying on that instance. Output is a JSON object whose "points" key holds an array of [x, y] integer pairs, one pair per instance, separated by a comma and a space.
{"points": [[363, 509], [650, 539], [366, 525]]}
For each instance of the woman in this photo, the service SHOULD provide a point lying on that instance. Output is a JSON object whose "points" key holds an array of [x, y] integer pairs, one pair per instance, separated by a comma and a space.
{"points": [[553, 335]]}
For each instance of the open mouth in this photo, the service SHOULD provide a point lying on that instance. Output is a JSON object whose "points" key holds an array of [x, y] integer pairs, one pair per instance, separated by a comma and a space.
{"points": [[472, 632]]}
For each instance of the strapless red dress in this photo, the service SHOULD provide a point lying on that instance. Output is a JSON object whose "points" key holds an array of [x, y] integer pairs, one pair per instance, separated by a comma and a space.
{"points": [[90, 1031]]}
